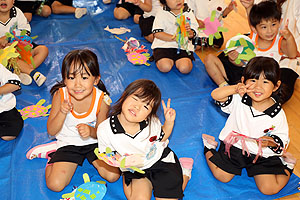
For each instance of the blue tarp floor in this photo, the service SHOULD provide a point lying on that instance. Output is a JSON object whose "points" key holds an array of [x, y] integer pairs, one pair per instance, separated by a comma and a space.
{"points": [[196, 112]]}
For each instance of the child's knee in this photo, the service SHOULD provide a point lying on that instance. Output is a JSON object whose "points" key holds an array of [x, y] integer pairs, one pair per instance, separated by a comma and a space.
{"points": [[164, 67], [268, 189], [46, 12], [120, 14], [8, 138], [185, 69], [55, 184], [209, 59]]}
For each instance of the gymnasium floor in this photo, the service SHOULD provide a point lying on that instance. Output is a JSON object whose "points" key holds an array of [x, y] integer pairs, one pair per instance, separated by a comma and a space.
{"points": [[196, 112]]}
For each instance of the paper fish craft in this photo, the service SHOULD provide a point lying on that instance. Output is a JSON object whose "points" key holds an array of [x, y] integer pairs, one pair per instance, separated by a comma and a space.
{"points": [[243, 45], [88, 190], [126, 161], [117, 31], [213, 28], [34, 111]]}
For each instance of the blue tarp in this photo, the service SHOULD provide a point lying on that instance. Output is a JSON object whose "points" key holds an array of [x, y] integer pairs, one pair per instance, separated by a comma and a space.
{"points": [[196, 112]]}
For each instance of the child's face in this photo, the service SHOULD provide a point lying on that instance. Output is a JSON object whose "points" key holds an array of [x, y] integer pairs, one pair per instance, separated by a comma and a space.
{"points": [[267, 30], [6, 5], [135, 110], [175, 5], [262, 88], [80, 85]]}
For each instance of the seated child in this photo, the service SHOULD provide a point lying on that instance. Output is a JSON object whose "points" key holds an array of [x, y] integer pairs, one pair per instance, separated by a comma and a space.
{"points": [[126, 8], [166, 50], [147, 19], [203, 9], [11, 122], [256, 124], [66, 7], [9, 17], [32, 7], [264, 20], [135, 131]]}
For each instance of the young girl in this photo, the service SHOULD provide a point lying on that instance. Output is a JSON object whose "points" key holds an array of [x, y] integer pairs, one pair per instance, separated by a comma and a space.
{"points": [[134, 129], [11, 122], [77, 109], [257, 125], [165, 47]]}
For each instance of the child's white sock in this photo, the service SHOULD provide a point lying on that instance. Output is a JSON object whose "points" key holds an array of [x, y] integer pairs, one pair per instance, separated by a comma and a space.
{"points": [[41, 151], [25, 79], [79, 12], [186, 166]]}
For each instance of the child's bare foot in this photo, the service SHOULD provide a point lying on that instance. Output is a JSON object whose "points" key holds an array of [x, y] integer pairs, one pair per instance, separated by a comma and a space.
{"points": [[209, 141], [79, 12]]}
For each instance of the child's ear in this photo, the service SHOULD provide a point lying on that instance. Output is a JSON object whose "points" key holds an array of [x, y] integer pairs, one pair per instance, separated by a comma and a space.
{"points": [[253, 29], [97, 79], [277, 86], [242, 79]]}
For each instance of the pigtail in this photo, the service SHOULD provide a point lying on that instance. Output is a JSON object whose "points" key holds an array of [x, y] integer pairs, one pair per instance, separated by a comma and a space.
{"points": [[102, 87], [56, 87]]}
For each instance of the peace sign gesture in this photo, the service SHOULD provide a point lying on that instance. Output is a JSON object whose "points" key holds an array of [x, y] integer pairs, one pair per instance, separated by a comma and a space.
{"points": [[169, 112], [285, 31]]}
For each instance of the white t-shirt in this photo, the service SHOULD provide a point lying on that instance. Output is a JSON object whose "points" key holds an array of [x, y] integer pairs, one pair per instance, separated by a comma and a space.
{"points": [[68, 135], [165, 21], [7, 101], [110, 133], [244, 119], [16, 17], [156, 6]]}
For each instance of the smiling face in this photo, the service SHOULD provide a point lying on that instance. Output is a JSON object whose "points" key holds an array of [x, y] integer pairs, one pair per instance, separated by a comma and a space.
{"points": [[267, 29], [6, 5], [262, 89], [80, 82], [134, 110], [175, 5]]}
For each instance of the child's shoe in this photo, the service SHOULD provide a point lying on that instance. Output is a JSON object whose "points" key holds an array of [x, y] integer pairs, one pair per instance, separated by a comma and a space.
{"points": [[79, 12], [41, 151], [209, 141], [106, 1], [187, 166], [25, 79], [39, 78]]}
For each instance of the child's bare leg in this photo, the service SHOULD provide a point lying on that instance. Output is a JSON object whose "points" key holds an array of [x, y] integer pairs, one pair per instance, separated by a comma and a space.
{"points": [[59, 8], [221, 175], [164, 64], [109, 173], [215, 69], [8, 138], [138, 189], [39, 54], [184, 65], [28, 16], [150, 38], [121, 13], [59, 175], [46, 11], [136, 18]]}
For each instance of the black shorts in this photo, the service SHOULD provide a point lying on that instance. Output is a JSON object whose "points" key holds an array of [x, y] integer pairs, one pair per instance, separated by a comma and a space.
{"points": [[238, 161], [11, 123], [171, 53], [288, 79], [166, 178], [64, 2], [146, 25], [74, 154], [234, 73], [30, 6], [131, 8]]}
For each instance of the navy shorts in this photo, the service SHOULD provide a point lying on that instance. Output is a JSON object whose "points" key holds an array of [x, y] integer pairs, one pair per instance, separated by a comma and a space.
{"points": [[131, 8], [238, 161], [74, 154], [11, 123], [30, 6], [171, 53], [166, 178]]}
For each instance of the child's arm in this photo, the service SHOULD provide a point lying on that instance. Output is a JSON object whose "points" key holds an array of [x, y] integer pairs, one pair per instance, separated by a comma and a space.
{"points": [[58, 114], [229, 8], [165, 36], [233, 55], [247, 5], [88, 131], [170, 116], [8, 88], [3, 42], [288, 44]]}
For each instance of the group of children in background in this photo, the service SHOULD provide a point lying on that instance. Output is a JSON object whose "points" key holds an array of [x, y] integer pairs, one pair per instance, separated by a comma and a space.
{"points": [[81, 118]]}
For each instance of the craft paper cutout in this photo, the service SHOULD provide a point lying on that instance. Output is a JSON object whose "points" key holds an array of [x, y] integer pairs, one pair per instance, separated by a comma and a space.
{"points": [[213, 28], [243, 45], [7, 53], [181, 33], [126, 161], [88, 190], [117, 31], [34, 111], [138, 59]]}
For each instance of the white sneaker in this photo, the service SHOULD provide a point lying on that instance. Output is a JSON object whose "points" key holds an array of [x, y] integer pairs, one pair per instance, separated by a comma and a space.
{"points": [[25, 79], [39, 78], [41, 151], [79, 12]]}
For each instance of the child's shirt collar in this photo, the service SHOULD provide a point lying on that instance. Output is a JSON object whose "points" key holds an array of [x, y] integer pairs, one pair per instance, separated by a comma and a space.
{"points": [[185, 8]]}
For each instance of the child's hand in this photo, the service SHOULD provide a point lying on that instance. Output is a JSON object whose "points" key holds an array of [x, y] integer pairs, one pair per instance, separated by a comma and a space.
{"points": [[169, 112], [233, 55], [285, 31], [247, 3], [83, 130], [201, 23], [66, 107], [266, 141], [241, 88], [3, 42]]}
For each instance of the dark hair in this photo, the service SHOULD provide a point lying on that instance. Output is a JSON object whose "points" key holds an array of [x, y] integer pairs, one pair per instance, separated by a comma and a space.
{"points": [[82, 59], [144, 89], [280, 3], [260, 64], [265, 10], [163, 2]]}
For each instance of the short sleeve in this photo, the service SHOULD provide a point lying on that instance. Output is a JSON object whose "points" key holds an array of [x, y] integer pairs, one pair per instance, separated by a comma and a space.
{"points": [[158, 24], [7, 76], [103, 132], [22, 22], [228, 105]]}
